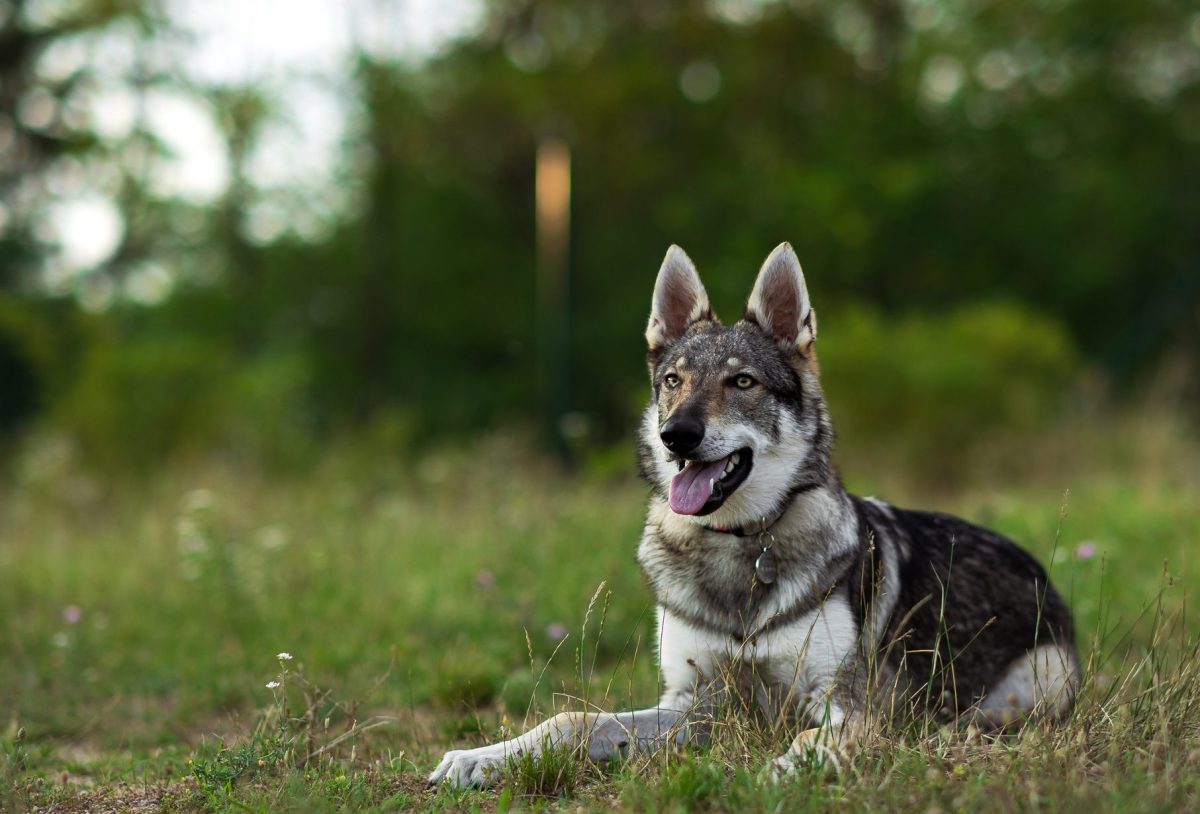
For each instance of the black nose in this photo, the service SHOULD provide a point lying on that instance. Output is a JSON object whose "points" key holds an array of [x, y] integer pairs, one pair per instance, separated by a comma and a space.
{"points": [[682, 433]]}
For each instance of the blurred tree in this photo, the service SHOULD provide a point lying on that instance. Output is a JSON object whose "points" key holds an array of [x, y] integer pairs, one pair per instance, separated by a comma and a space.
{"points": [[241, 113], [922, 156], [49, 144], [46, 142]]}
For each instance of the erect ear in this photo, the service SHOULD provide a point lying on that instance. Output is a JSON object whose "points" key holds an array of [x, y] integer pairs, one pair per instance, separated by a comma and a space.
{"points": [[679, 300], [779, 302]]}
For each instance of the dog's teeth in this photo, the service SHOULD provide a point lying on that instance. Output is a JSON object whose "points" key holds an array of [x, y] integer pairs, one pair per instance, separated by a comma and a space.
{"points": [[728, 469], [735, 458], [711, 481]]}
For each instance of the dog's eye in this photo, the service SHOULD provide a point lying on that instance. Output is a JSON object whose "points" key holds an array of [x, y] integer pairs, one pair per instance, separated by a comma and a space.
{"points": [[744, 382], [671, 381]]}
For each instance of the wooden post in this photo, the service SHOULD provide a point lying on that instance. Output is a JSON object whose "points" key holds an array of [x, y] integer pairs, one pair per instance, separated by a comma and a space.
{"points": [[552, 192]]}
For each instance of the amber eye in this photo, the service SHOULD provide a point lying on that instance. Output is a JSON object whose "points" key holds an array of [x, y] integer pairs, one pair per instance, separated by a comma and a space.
{"points": [[671, 381], [744, 382]]}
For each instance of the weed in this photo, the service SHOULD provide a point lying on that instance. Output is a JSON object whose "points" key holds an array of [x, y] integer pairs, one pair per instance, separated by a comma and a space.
{"points": [[555, 772], [287, 736], [15, 757]]}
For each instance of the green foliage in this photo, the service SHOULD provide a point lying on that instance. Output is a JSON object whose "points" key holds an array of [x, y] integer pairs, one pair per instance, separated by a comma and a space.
{"points": [[937, 383], [13, 763], [686, 784], [21, 386], [283, 739], [137, 402], [41, 343], [926, 164], [15, 758], [556, 772], [217, 773]]}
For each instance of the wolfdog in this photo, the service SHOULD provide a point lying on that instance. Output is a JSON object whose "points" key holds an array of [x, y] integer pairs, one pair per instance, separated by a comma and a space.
{"points": [[847, 611]]}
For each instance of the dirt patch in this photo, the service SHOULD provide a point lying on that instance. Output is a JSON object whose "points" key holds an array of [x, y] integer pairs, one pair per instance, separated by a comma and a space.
{"points": [[109, 800]]}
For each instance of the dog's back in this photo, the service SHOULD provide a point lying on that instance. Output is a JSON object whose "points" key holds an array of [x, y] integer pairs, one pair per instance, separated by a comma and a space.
{"points": [[975, 624]]}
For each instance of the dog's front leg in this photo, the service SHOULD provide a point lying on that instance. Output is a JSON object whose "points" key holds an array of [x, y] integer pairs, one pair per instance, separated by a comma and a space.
{"points": [[606, 735]]}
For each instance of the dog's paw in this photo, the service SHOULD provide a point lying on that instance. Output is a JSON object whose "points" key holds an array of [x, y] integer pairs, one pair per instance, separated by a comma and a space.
{"points": [[778, 769], [812, 750], [464, 768], [816, 762]]}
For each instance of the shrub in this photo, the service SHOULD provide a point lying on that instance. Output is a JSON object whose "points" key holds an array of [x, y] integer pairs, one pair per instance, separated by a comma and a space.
{"points": [[932, 384]]}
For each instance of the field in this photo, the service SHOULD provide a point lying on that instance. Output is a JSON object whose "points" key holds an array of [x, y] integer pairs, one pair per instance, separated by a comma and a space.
{"points": [[408, 604]]}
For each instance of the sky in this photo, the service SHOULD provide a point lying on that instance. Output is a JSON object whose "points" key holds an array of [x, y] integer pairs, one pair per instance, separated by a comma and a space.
{"points": [[300, 50], [303, 48]]}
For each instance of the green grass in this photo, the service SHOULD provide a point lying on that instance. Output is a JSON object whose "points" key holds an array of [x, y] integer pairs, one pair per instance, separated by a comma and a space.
{"points": [[441, 601]]}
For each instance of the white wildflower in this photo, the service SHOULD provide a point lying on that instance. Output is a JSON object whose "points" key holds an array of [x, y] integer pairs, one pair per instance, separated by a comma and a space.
{"points": [[272, 538], [272, 685], [190, 536], [284, 656], [197, 500]]}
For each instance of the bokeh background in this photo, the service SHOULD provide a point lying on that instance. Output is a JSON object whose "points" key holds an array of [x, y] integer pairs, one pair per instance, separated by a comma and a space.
{"points": [[290, 361], [247, 228]]}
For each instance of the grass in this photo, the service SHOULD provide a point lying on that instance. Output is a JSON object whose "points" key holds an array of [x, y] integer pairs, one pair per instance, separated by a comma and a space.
{"points": [[445, 601]]}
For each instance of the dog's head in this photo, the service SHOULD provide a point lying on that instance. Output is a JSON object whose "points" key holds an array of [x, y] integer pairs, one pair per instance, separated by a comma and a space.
{"points": [[737, 422]]}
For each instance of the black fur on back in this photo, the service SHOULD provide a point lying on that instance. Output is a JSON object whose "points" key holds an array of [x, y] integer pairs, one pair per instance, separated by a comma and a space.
{"points": [[970, 601]]}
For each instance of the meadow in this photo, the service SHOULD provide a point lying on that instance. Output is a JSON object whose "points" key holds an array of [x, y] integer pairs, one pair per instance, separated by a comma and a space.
{"points": [[225, 638], [281, 306]]}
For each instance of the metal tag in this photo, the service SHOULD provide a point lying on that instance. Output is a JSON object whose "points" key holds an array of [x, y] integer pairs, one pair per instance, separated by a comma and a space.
{"points": [[764, 567]]}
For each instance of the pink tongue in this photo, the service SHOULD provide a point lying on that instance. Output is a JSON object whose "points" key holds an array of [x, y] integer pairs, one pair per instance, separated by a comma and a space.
{"points": [[691, 488]]}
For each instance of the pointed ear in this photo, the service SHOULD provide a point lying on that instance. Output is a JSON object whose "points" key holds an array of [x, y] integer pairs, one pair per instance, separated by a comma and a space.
{"points": [[679, 300], [779, 302]]}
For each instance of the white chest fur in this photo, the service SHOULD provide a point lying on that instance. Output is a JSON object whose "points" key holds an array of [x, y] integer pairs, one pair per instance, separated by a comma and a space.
{"points": [[797, 659]]}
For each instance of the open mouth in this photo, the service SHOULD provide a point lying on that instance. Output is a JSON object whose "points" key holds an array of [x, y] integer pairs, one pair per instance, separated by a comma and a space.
{"points": [[702, 486]]}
